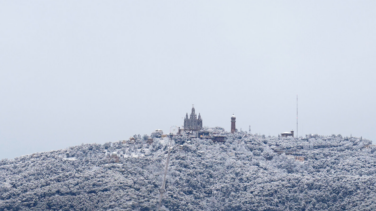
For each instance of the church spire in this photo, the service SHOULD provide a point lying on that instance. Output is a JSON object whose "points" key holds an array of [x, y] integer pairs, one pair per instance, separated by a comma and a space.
{"points": [[191, 122]]}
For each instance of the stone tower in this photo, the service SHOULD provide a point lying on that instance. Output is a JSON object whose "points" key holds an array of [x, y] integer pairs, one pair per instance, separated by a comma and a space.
{"points": [[193, 123], [233, 126]]}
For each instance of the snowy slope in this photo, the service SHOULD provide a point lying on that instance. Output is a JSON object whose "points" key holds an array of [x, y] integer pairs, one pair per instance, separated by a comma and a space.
{"points": [[248, 172]]}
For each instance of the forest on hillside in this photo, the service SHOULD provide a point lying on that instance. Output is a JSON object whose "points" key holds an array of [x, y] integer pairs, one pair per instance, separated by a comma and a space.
{"points": [[247, 172]]}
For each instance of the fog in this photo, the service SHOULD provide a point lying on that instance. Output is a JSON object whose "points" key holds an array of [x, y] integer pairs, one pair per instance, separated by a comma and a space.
{"points": [[94, 71]]}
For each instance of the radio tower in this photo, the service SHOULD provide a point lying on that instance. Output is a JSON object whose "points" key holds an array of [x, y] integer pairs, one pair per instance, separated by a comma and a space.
{"points": [[297, 132]]}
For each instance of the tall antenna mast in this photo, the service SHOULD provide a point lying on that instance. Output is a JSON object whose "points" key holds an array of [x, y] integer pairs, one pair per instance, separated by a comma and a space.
{"points": [[297, 131]]}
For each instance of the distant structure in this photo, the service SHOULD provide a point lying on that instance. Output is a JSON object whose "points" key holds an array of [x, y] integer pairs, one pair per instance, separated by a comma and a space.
{"points": [[204, 134], [193, 123], [219, 138], [297, 120], [287, 134], [233, 126]]}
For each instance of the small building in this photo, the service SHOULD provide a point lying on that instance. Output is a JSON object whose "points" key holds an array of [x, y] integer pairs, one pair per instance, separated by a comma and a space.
{"points": [[180, 129], [287, 134], [203, 134], [157, 133], [219, 138]]}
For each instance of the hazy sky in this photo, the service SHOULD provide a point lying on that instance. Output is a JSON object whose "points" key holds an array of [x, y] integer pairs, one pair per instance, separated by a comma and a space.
{"points": [[74, 72]]}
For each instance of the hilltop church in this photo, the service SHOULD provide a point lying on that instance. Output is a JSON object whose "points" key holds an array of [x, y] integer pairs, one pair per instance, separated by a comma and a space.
{"points": [[193, 123]]}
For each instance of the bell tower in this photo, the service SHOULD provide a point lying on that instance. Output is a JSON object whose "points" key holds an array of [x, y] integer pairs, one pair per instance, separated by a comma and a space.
{"points": [[233, 126]]}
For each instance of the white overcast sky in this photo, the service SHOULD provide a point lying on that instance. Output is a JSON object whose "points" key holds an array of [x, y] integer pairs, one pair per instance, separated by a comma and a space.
{"points": [[74, 72]]}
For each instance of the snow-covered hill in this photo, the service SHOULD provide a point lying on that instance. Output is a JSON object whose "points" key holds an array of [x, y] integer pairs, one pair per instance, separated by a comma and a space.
{"points": [[247, 172]]}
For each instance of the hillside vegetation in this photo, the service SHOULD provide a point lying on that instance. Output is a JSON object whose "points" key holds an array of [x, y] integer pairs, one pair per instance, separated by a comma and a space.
{"points": [[247, 172]]}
